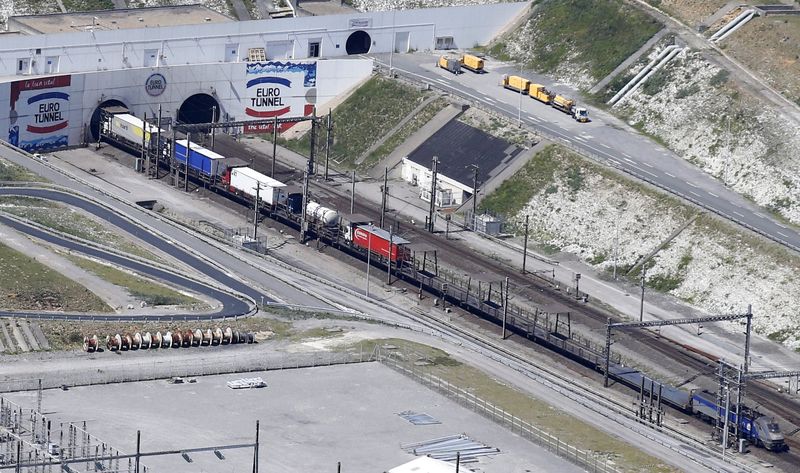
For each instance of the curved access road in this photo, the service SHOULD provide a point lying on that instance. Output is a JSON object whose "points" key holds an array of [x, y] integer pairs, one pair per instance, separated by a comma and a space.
{"points": [[231, 306]]}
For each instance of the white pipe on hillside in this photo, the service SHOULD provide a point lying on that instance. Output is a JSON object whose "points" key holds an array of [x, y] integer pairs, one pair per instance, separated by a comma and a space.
{"points": [[739, 25], [730, 25], [658, 66], [641, 74]]}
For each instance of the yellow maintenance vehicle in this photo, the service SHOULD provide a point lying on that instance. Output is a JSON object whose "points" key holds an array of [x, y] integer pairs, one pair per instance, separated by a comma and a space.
{"points": [[540, 93], [516, 83], [450, 63], [472, 62], [569, 106]]}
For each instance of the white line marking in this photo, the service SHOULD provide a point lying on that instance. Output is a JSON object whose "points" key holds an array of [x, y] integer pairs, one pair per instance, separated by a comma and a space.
{"points": [[760, 215], [490, 99], [629, 160], [783, 234], [642, 170], [647, 164], [737, 213], [692, 184], [441, 80], [627, 155], [694, 193], [588, 137], [712, 194], [564, 140], [670, 175], [578, 138], [781, 225], [536, 119], [605, 146]]}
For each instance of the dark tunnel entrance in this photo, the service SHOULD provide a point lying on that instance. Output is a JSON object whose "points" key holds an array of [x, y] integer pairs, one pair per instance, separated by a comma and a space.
{"points": [[358, 42], [94, 123], [199, 108]]}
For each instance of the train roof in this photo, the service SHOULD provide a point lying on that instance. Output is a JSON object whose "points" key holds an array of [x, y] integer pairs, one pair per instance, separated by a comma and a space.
{"points": [[266, 180], [380, 232], [137, 122], [199, 149]]}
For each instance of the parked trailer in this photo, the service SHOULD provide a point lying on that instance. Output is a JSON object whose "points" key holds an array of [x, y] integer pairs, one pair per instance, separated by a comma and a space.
{"points": [[516, 83], [473, 63], [202, 161], [540, 93], [449, 63], [243, 180], [376, 240], [126, 127]]}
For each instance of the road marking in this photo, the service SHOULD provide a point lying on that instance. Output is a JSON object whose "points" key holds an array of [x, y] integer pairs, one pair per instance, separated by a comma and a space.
{"points": [[627, 155], [670, 175], [783, 234], [579, 138], [760, 215], [737, 213], [441, 80], [588, 137], [781, 225], [712, 194], [536, 119], [647, 164], [692, 184], [629, 160], [564, 140], [605, 145], [694, 193], [490, 99], [642, 170]]}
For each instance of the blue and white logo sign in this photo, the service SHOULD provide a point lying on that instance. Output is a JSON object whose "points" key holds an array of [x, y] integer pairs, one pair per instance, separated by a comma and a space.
{"points": [[155, 85]]}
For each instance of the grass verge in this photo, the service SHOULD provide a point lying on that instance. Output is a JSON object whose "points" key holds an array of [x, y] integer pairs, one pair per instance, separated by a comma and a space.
{"points": [[363, 118], [599, 34], [27, 284], [420, 119], [566, 427], [13, 172], [63, 219], [88, 5], [154, 294]]}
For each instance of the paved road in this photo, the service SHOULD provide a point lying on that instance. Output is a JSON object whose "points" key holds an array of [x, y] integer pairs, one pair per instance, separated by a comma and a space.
{"points": [[231, 306], [257, 280], [607, 139]]}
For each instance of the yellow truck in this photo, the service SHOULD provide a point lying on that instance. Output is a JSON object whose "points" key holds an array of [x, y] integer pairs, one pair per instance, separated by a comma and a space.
{"points": [[569, 106], [472, 62], [516, 83], [450, 63], [540, 93]]}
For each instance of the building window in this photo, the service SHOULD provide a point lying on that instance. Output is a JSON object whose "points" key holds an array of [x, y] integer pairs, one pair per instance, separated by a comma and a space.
{"points": [[314, 48], [256, 55], [51, 65]]}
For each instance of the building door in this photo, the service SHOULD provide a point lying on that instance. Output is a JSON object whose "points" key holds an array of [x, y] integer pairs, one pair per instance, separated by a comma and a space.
{"points": [[232, 52], [51, 65], [314, 47], [401, 39], [23, 65], [445, 42], [279, 49], [150, 57]]}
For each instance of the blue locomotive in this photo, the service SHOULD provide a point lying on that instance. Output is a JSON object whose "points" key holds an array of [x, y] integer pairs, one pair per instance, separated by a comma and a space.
{"points": [[757, 428]]}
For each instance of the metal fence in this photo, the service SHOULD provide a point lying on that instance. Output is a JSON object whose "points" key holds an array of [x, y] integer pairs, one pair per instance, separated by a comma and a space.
{"points": [[170, 367], [584, 458]]}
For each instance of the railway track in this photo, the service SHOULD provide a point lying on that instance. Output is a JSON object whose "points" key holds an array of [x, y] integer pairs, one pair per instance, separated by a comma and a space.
{"points": [[539, 292]]}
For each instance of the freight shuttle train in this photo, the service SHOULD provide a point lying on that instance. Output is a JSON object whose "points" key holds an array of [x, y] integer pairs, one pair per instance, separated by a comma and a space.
{"points": [[358, 235]]}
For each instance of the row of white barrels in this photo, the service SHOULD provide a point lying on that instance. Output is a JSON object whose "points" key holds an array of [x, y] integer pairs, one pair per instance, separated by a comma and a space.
{"points": [[169, 339]]}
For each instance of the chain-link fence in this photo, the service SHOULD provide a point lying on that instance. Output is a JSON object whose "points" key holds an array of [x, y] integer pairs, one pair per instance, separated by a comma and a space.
{"points": [[171, 367], [583, 458]]}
